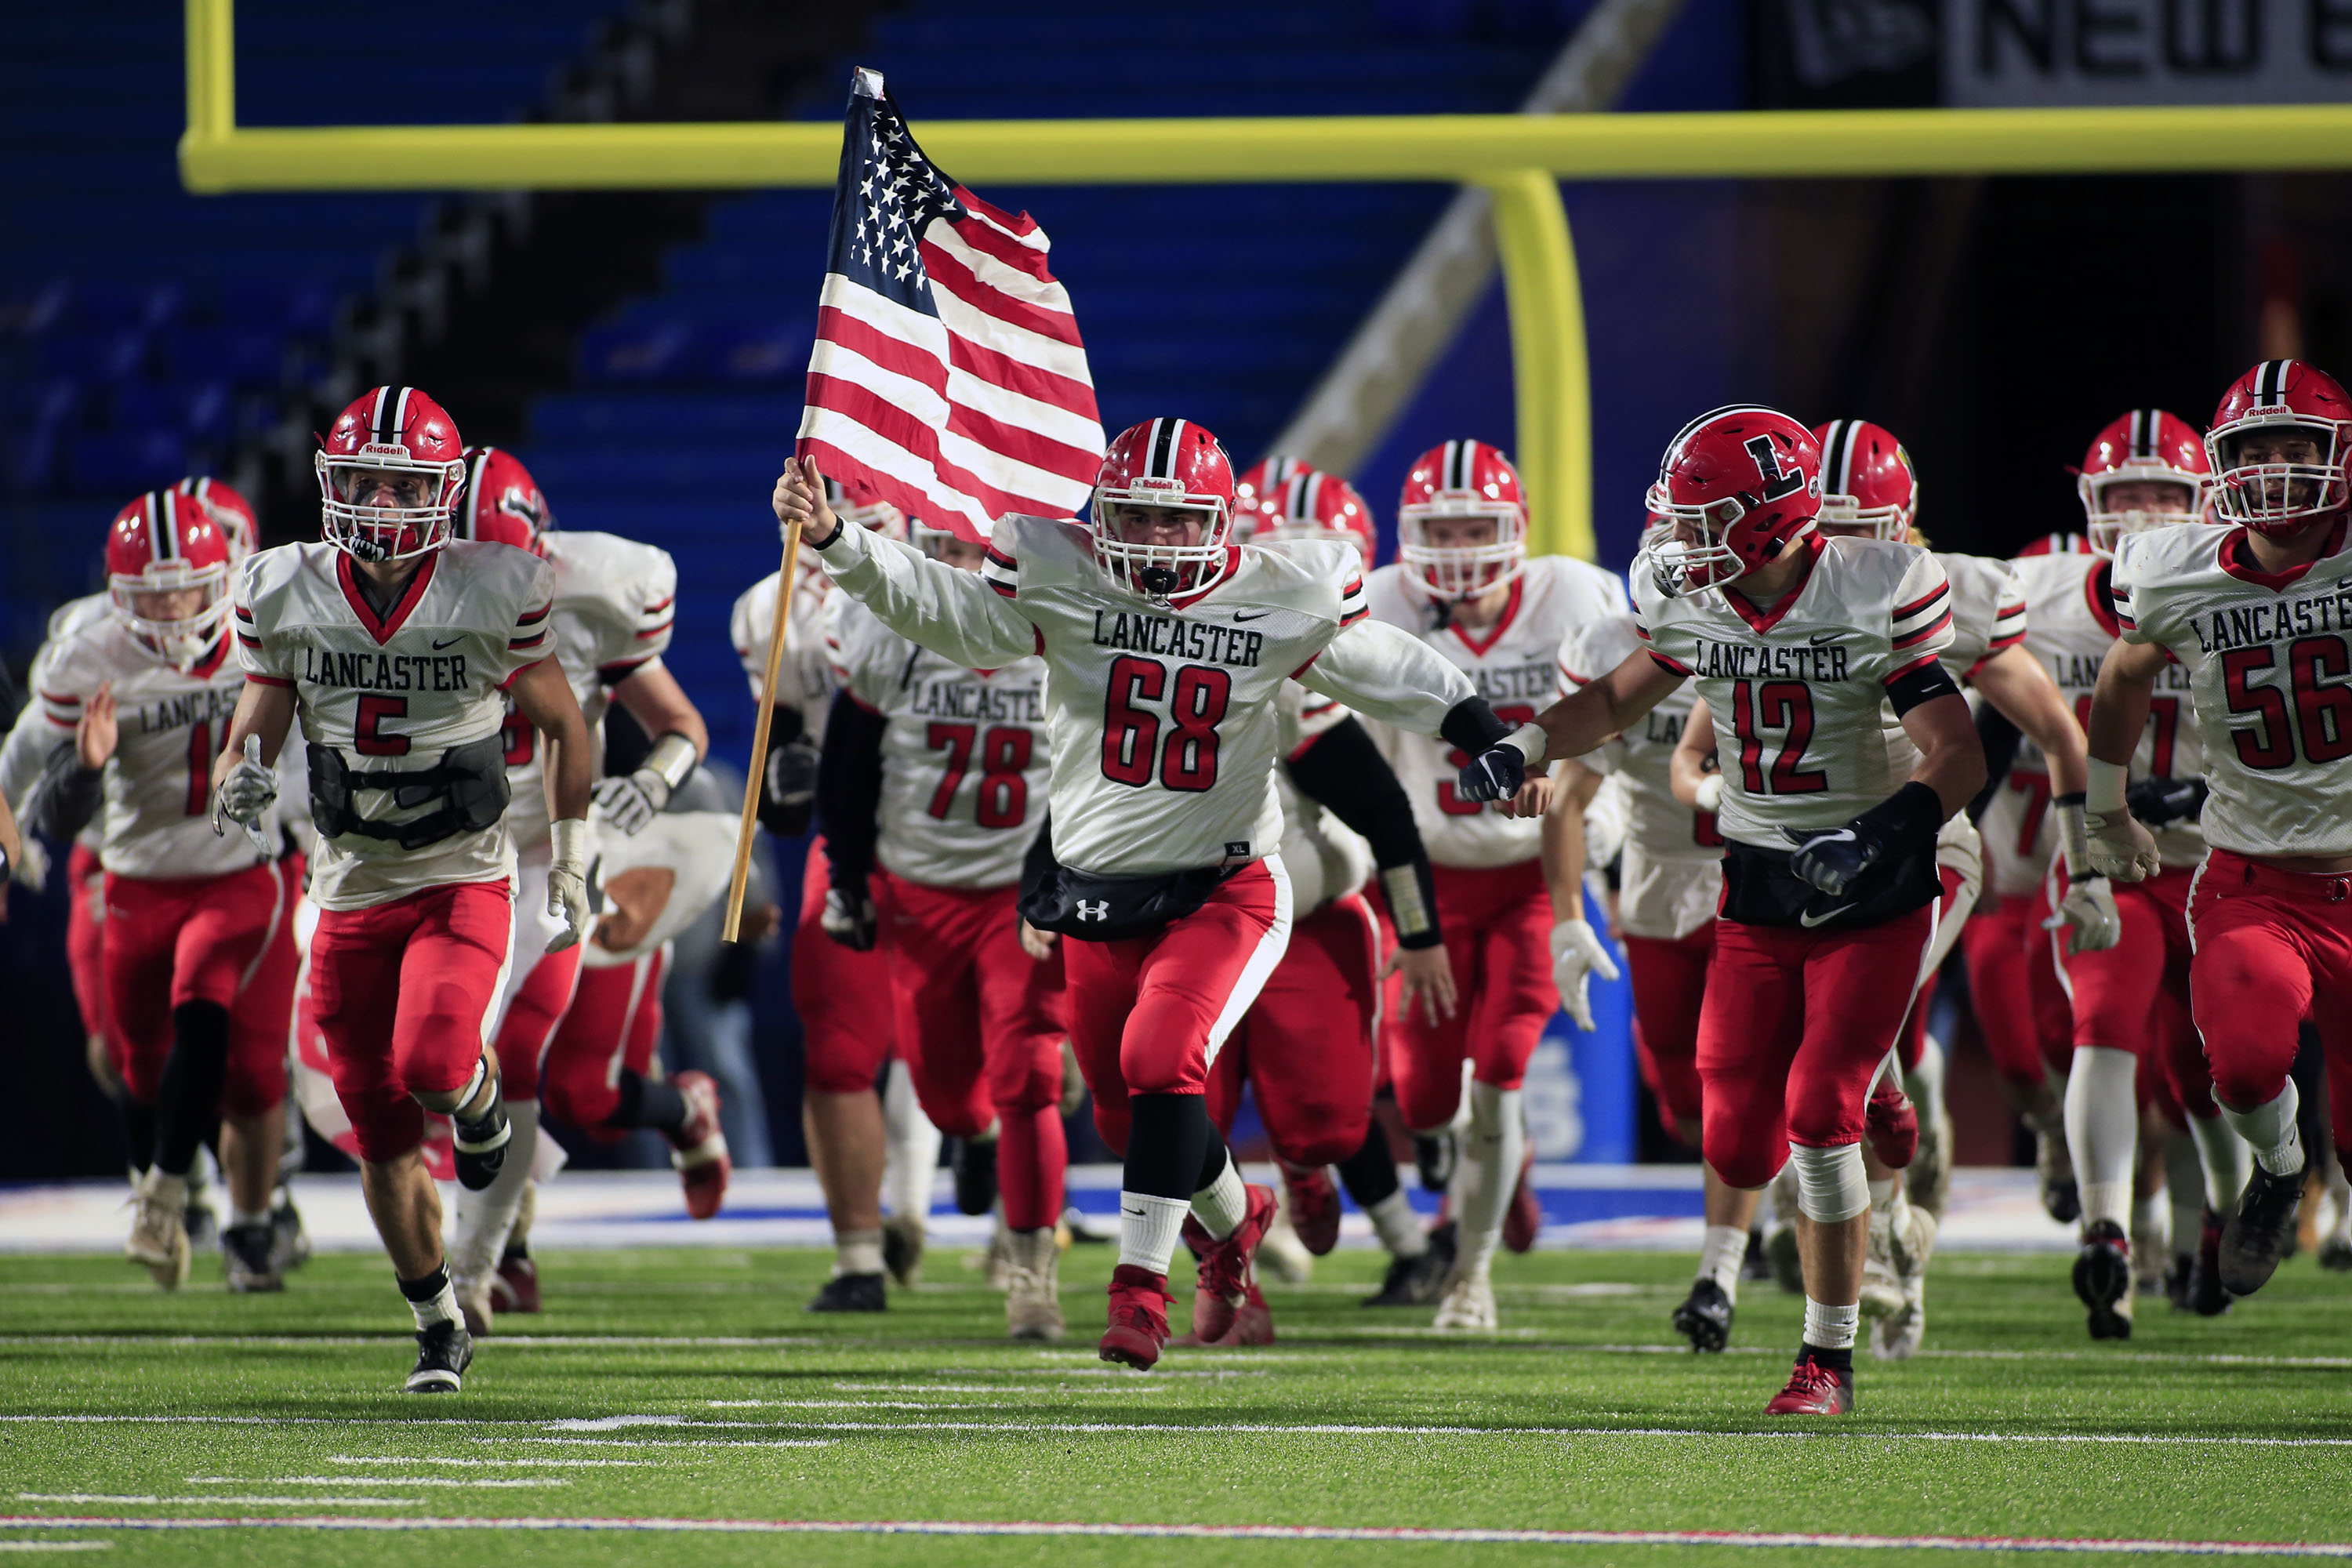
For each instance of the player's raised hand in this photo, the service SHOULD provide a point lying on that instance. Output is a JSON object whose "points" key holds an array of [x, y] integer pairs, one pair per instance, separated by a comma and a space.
{"points": [[95, 735], [800, 498], [245, 788], [1428, 979], [1578, 953]]}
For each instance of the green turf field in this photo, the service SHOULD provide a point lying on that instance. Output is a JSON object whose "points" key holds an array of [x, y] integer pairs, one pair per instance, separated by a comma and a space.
{"points": [[686, 1385]]}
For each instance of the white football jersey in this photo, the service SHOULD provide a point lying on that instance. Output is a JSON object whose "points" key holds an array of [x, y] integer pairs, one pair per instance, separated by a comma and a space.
{"points": [[2267, 658], [1515, 665], [615, 602], [1164, 716], [695, 848], [1796, 692], [392, 693], [1989, 610], [1325, 859], [1673, 872], [155, 819], [804, 681], [29, 743], [965, 755]]}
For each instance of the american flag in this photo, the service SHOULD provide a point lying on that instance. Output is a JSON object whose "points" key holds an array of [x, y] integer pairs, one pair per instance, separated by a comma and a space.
{"points": [[947, 377]]}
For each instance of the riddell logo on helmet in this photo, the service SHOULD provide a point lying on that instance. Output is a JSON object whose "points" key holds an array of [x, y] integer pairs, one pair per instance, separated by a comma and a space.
{"points": [[1172, 487], [383, 449]]}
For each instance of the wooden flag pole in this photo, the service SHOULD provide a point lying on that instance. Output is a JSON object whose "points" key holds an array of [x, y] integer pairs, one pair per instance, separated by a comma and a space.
{"points": [[754, 776]]}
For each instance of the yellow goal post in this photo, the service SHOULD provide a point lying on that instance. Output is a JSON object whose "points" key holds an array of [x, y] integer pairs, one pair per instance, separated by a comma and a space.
{"points": [[1518, 158]]}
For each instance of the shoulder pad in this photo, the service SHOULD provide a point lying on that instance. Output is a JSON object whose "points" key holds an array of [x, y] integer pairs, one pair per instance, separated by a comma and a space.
{"points": [[1045, 552]]}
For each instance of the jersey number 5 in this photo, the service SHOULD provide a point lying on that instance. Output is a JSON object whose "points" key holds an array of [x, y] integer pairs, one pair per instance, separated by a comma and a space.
{"points": [[1785, 705], [1131, 734]]}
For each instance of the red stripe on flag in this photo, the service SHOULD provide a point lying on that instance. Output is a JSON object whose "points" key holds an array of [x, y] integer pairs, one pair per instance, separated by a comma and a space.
{"points": [[949, 273], [983, 363], [996, 243], [902, 430]]}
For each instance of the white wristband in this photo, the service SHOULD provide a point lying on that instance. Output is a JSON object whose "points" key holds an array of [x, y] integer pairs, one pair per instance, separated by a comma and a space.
{"points": [[568, 835], [2105, 797], [1531, 742], [672, 760], [2073, 840]]}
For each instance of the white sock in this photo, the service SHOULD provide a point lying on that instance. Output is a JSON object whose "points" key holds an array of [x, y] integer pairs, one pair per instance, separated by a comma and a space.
{"points": [[1925, 1084], [240, 1218], [2103, 1130], [1224, 1204], [2339, 1192], [1882, 1207], [1719, 1257], [910, 1161], [2229, 1163], [485, 1219], [440, 1309], [856, 1252], [1147, 1229], [1831, 1328], [1397, 1226], [2278, 1147], [2152, 1223], [1489, 1168]]}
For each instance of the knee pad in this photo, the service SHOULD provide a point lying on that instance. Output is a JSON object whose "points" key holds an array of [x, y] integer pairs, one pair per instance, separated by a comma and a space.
{"points": [[1832, 1184]]}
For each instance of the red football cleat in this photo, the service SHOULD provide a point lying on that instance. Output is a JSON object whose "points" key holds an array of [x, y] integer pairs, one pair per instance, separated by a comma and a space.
{"points": [[515, 1287], [1139, 1316], [699, 1149], [1813, 1390], [1314, 1209], [1523, 1221], [1891, 1122], [1254, 1322], [1227, 1266]]}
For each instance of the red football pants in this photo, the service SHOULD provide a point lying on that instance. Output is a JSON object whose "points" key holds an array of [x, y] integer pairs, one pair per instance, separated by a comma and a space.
{"points": [[1307, 1047], [615, 1022], [526, 1034], [1669, 981], [227, 940], [1794, 1027], [1148, 1014], [1498, 924], [843, 997], [86, 942], [2028, 1023], [2273, 950], [1912, 1042], [2135, 996], [979, 1025], [402, 992]]}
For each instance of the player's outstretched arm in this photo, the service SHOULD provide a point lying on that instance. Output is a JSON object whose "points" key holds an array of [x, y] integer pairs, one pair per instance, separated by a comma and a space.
{"points": [[660, 705], [2119, 846], [1600, 709], [263, 709], [954, 613], [1951, 758], [543, 696]]}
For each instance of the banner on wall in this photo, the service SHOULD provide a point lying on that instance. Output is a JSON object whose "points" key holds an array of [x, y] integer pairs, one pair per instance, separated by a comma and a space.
{"points": [[2046, 53]]}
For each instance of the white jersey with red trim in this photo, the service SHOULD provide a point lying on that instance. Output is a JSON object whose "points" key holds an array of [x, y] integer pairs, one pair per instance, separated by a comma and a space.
{"points": [[2267, 658], [29, 745], [695, 848], [1514, 665], [1673, 871], [1326, 858], [1797, 692], [804, 679], [1164, 715], [1988, 611], [965, 753], [392, 692], [155, 815], [615, 602], [2071, 623]]}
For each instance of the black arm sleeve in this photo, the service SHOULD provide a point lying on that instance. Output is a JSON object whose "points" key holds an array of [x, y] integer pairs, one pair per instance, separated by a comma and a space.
{"points": [[1470, 726], [1925, 684], [2000, 738], [848, 787], [1343, 771], [786, 786], [64, 798]]}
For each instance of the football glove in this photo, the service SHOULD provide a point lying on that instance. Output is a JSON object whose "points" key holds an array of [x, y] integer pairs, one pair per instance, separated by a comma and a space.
{"points": [[2087, 915], [849, 917], [567, 882], [1577, 954], [1710, 793], [788, 791], [629, 803], [1495, 774], [2160, 801], [2120, 848], [246, 793], [1833, 861]]}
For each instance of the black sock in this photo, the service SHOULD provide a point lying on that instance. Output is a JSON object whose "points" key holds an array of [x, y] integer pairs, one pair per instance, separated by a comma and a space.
{"points": [[481, 1141], [649, 1103], [138, 1132], [1370, 1173], [1167, 1142], [517, 1251], [1212, 1164], [189, 1105], [1838, 1360], [426, 1287]]}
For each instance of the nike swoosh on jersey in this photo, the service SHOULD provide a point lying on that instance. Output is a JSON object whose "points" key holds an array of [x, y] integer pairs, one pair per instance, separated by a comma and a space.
{"points": [[451, 643], [1809, 920], [1239, 616], [1818, 638]]}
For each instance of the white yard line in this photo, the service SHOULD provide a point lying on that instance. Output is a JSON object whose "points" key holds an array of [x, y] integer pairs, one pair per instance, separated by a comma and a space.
{"points": [[377, 1481], [455, 1459]]}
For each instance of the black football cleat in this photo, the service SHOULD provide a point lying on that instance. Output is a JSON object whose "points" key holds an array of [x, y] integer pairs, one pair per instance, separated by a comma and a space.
{"points": [[444, 1351], [1419, 1281], [975, 1175], [1434, 1155], [850, 1293], [251, 1259], [2206, 1299], [2261, 1231], [2102, 1278], [1705, 1317], [1755, 1265]]}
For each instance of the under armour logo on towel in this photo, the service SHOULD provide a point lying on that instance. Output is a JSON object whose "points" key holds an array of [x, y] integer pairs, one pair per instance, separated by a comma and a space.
{"points": [[1095, 911]]}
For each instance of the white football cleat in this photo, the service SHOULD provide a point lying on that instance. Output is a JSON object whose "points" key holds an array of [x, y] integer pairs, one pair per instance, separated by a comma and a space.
{"points": [[159, 1229], [1468, 1306], [1033, 1304]]}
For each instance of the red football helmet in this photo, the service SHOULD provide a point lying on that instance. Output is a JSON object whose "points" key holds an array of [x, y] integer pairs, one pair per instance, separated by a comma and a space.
{"points": [[166, 544], [879, 516], [1868, 486], [1472, 481], [2147, 446], [502, 504], [1739, 485], [2281, 398], [1258, 482], [1312, 504], [2057, 544], [1164, 465], [397, 441], [231, 510]]}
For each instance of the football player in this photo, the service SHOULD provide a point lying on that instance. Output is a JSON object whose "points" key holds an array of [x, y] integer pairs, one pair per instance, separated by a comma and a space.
{"points": [[199, 949], [930, 788], [1797, 641], [1166, 646], [2254, 611], [841, 986], [1464, 587], [396, 648]]}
